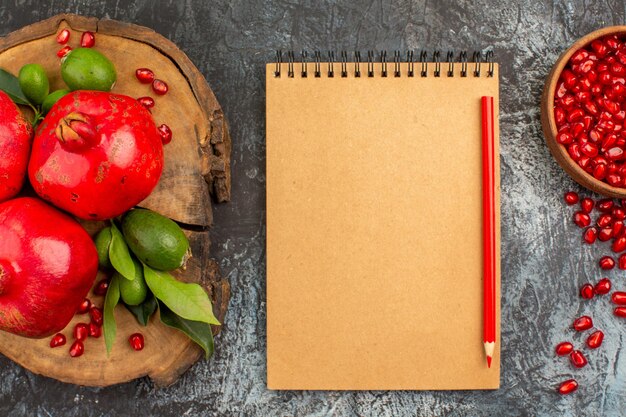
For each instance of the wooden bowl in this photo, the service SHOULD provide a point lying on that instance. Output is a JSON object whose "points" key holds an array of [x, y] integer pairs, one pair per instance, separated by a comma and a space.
{"points": [[549, 124]]}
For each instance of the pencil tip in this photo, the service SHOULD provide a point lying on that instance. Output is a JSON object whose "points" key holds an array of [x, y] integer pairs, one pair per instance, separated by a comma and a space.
{"points": [[488, 361]]}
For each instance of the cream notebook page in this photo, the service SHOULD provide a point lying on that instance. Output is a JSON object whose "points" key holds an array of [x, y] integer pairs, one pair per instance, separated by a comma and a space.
{"points": [[374, 230]]}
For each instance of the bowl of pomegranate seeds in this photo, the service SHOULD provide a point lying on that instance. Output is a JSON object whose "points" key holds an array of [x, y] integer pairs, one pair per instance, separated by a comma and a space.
{"points": [[583, 111]]}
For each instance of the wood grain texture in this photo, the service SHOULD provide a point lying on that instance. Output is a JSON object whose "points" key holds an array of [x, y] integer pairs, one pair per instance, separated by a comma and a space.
{"points": [[196, 162], [549, 124]]}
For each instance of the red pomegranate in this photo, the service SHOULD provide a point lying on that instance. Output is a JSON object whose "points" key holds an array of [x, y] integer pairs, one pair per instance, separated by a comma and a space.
{"points": [[15, 138], [96, 155], [48, 263]]}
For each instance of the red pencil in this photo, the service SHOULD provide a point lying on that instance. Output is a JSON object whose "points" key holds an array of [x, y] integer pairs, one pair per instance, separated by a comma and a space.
{"points": [[489, 230]]}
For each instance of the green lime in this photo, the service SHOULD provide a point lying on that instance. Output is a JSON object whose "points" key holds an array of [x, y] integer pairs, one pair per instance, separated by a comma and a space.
{"points": [[51, 99], [133, 292], [34, 83], [156, 240], [88, 69], [103, 242]]}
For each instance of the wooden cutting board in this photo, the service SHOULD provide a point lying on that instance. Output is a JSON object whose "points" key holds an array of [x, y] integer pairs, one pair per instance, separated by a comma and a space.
{"points": [[197, 166]]}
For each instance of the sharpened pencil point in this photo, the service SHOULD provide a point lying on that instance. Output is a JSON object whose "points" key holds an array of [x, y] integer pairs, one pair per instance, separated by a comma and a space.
{"points": [[488, 361]]}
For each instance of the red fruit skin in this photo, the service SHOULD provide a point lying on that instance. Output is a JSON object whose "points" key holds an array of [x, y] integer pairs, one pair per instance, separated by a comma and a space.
{"points": [[48, 263], [15, 141], [104, 164]]}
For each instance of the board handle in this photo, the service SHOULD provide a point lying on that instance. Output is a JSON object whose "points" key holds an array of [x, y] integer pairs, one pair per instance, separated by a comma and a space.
{"points": [[356, 65]]}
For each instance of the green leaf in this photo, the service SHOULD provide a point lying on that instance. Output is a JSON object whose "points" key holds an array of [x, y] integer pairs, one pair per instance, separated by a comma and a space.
{"points": [[111, 300], [197, 331], [10, 84], [143, 311], [189, 301], [119, 254]]}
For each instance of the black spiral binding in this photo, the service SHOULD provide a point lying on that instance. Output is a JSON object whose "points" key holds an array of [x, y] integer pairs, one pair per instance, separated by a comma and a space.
{"points": [[478, 62]]}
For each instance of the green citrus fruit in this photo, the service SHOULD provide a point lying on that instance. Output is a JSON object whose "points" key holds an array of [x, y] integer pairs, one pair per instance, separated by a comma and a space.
{"points": [[51, 99], [103, 243], [156, 240], [34, 83], [133, 292], [88, 69]]}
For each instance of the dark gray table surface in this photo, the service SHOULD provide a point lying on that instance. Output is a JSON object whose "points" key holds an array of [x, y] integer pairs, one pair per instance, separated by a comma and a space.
{"points": [[543, 262]]}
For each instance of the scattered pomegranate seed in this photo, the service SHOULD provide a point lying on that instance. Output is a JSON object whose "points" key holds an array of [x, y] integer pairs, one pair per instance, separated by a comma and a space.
{"points": [[84, 306], [582, 219], [57, 340], [147, 102], [159, 87], [96, 315], [590, 235], [606, 263], [618, 226], [88, 40], [578, 359], [564, 348], [583, 323], [605, 234], [619, 244], [144, 75], [567, 387], [166, 134], [136, 341], [595, 339], [620, 311], [604, 220], [571, 198], [77, 349], [602, 287], [586, 291], [81, 331], [63, 36], [605, 205], [95, 331], [586, 205], [64, 51], [618, 213], [101, 287], [619, 298], [622, 261]]}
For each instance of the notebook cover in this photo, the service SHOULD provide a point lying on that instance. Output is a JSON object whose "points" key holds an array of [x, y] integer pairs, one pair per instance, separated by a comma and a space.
{"points": [[374, 232]]}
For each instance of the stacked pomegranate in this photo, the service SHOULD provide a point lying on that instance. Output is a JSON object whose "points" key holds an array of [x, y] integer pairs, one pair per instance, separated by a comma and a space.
{"points": [[590, 109], [608, 225]]}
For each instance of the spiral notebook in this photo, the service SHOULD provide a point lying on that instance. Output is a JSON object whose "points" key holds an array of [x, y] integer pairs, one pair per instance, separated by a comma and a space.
{"points": [[374, 222]]}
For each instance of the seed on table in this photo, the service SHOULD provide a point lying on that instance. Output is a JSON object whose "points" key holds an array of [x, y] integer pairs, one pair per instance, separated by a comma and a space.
{"points": [[88, 40], [578, 359], [63, 36], [57, 340], [619, 244], [136, 341], [571, 198], [147, 102], [84, 306], [618, 227], [95, 331], [81, 331], [583, 323], [605, 234], [618, 213], [590, 235], [77, 349], [567, 387], [619, 297], [101, 287], [564, 348], [602, 287], [605, 205], [586, 291], [160, 87], [595, 339], [622, 261], [166, 133], [96, 315], [144, 75], [606, 263], [604, 220], [586, 204], [582, 219], [620, 312], [64, 51]]}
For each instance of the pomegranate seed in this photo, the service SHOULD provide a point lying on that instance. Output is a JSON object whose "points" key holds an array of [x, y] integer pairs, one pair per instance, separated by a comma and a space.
{"points": [[618, 213], [81, 331], [619, 298], [586, 291], [564, 138], [144, 75], [586, 204], [564, 348], [602, 287], [605, 234], [77, 349], [147, 102], [101, 287], [84, 306], [614, 180], [575, 114], [583, 323], [96, 315], [578, 359], [595, 339], [88, 40], [166, 134], [95, 331], [589, 149], [567, 387], [136, 341], [63, 36], [599, 171], [571, 198], [606, 263], [619, 244], [64, 51], [559, 116], [57, 340], [590, 234], [160, 87], [620, 312], [618, 226], [604, 220], [605, 205], [582, 219]]}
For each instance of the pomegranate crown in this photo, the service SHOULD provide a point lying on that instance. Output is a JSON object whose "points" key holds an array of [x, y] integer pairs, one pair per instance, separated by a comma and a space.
{"points": [[76, 132]]}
